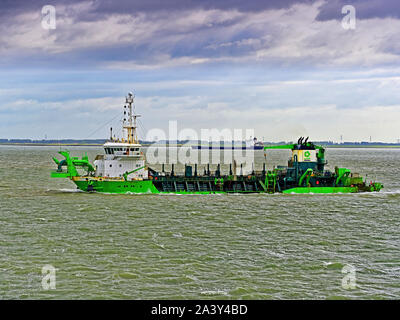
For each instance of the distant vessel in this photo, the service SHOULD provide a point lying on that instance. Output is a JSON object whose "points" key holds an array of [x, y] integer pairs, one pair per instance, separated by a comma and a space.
{"points": [[123, 169], [253, 144]]}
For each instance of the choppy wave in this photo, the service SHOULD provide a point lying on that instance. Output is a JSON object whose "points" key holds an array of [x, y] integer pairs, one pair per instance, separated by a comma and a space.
{"points": [[63, 190], [217, 292]]}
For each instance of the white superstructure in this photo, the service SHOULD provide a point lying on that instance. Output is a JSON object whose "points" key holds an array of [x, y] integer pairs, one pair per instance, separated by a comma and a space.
{"points": [[122, 156]]}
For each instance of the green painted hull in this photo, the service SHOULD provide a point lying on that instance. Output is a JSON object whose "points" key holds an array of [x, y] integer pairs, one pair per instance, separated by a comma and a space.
{"points": [[147, 186], [109, 186], [322, 190], [138, 186]]}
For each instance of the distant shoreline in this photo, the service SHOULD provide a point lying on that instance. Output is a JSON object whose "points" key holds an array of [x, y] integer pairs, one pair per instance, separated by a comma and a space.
{"points": [[374, 146], [363, 146], [52, 144]]}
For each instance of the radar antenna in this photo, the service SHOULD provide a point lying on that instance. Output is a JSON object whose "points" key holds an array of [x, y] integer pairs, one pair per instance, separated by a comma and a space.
{"points": [[131, 125]]}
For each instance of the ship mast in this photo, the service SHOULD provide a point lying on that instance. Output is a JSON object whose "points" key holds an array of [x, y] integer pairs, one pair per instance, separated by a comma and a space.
{"points": [[131, 125]]}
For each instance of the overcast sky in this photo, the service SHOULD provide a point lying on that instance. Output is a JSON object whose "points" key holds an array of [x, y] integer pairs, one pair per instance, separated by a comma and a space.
{"points": [[283, 68]]}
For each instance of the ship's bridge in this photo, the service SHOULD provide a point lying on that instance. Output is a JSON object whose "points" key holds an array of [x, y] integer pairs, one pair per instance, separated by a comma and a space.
{"points": [[122, 149]]}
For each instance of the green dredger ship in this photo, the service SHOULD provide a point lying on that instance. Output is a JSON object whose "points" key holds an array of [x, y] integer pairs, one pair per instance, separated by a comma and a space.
{"points": [[123, 169]]}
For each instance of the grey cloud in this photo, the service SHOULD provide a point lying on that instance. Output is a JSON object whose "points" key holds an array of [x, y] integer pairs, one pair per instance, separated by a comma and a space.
{"points": [[365, 9], [172, 38], [124, 6], [329, 9], [102, 7]]}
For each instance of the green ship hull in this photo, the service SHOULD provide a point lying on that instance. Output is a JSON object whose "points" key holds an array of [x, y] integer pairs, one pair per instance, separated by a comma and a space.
{"points": [[142, 187], [147, 186], [322, 190], [138, 187], [88, 184], [117, 186]]}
